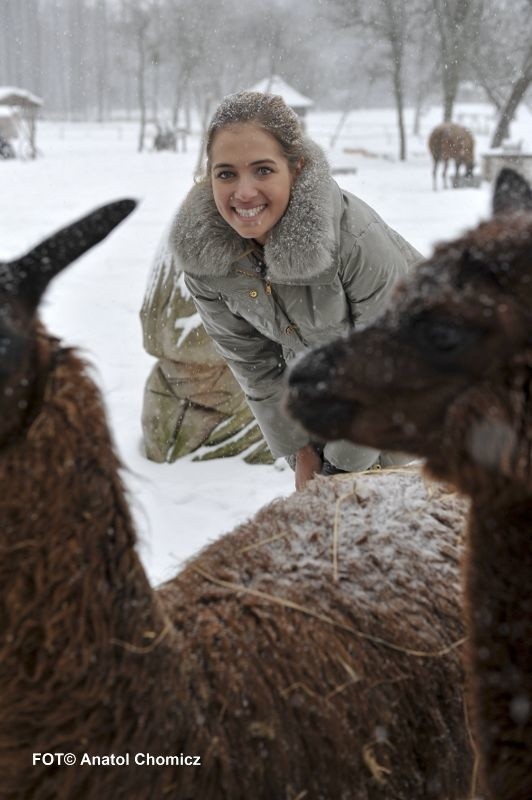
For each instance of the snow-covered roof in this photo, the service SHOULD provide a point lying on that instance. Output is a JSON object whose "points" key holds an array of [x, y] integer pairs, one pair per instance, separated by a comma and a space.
{"points": [[276, 85], [14, 96]]}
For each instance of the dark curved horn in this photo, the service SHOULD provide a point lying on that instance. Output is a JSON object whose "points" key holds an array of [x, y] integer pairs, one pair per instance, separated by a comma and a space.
{"points": [[29, 275]]}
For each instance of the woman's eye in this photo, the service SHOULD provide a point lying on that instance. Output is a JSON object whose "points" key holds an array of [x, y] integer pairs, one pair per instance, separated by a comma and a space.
{"points": [[224, 175], [264, 170]]}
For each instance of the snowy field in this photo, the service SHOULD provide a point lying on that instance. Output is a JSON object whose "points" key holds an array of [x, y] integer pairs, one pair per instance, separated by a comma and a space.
{"points": [[94, 305]]}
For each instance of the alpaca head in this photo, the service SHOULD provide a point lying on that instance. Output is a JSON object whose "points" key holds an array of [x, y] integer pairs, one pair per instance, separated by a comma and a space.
{"points": [[446, 372], [22, 284]]}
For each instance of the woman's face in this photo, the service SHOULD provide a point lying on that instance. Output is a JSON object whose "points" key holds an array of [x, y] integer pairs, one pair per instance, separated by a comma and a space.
{"points": [[251, 179]]}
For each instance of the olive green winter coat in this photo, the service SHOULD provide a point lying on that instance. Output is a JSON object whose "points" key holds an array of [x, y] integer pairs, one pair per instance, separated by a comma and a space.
{"points": [[329, 264]]}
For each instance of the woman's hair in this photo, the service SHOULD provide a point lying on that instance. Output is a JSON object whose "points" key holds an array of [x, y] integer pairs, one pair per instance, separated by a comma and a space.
{"points": [[268, 111]]}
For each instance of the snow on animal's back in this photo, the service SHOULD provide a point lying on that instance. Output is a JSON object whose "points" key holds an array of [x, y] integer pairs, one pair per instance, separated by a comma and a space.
{"points": [[336, 613], [387, 540]]}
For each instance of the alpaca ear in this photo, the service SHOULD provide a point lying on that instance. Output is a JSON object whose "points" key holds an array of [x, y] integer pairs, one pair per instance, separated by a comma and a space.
{"points": [[27, 277], [512, 193]]}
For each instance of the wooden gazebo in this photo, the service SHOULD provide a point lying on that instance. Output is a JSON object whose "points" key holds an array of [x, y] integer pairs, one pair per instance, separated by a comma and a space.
{"points": [[23, 107]]}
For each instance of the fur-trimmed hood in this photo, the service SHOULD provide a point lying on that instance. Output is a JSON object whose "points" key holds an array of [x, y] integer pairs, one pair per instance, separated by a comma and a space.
{"points": [[303, 244]]}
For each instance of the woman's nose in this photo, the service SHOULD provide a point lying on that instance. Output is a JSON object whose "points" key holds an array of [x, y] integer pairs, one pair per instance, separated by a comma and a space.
{"points": [[245, 190]]}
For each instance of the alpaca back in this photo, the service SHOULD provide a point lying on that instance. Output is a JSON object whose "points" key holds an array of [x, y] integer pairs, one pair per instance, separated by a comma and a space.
{"points": [[360, 674]]}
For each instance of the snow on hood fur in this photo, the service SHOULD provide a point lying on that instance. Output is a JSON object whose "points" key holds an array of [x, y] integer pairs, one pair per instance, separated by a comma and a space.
{"points": [[302, 245]]}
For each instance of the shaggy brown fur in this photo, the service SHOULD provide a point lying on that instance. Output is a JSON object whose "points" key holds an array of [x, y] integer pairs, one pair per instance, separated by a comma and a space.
{"points": [[446, 374], [451, 142], [290, 673]]}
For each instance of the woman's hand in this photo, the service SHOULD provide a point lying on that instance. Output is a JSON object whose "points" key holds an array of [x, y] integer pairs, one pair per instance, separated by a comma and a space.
{"points": [[308, 464]]}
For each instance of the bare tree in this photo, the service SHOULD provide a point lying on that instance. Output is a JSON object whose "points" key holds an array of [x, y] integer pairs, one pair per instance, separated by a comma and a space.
{"points": [[517, 92], [386, 21], [456, 23], [141, 27], [502, 59], [185, 49], [421, 68], [136, 24], [394, 32], [101, 27]]}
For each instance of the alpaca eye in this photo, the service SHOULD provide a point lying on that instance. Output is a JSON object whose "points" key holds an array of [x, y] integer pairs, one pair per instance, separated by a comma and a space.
{"points": [[445, 337], [442, 336]]}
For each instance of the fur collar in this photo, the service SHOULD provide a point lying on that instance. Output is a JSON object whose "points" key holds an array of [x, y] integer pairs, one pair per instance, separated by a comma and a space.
{"points": [[301, 247]]}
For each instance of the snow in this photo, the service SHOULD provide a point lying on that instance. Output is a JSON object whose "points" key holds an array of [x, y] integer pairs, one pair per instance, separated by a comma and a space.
{"points": [[94, 305]]}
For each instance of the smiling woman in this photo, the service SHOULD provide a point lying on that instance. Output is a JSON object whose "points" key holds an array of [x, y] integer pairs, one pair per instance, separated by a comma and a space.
{"points": [[278, 259]]}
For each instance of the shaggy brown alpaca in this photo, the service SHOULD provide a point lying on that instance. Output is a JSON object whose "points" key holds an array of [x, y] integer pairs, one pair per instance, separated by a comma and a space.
{"points": [[451, 142], [312, 653], [446, 374]]}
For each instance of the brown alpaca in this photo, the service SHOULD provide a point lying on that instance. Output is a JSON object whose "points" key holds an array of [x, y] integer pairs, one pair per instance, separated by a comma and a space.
{"points": [[291, 674], [451, 142], [446, 374]]}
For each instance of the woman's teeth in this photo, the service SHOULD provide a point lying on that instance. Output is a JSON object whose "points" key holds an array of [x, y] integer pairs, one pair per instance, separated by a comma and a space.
{"points": [[249, 212]]}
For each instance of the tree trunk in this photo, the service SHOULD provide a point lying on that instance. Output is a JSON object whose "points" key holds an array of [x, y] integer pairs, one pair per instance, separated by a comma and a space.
{"points": [[102, 55], [401, 124], [448, 102], [424, 82], [141, 83], [155, 87], [510, 107], [399, 100], [178, 100], [395, 33], [454, 26], [204, 124], [340, 125]]}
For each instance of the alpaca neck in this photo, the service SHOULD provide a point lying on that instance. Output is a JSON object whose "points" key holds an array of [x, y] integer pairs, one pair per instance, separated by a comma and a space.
{"points": [[74, 593], [88, 659], [22, 394], [499, 612]]}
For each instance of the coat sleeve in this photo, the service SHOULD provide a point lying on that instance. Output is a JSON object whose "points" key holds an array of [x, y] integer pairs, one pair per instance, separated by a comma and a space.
{"points": [[377, 259], [256, 362]]}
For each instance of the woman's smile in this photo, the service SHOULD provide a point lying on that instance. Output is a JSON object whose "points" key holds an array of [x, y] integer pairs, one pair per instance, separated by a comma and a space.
{"points": [[249, 213]]}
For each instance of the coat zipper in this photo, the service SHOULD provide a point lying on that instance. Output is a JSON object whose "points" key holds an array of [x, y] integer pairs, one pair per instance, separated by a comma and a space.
{"points": [[291, 327]]}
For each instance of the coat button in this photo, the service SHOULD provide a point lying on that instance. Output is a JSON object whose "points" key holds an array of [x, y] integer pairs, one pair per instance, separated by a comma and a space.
{"points": [[290, 329], [253, 293]]}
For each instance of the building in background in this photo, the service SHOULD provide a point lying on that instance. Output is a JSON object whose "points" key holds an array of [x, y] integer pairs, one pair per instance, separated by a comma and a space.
{"points": [[297, 101], [18, 118]]}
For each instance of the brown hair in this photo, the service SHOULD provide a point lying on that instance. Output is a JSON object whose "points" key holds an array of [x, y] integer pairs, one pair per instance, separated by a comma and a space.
{"points": [[269, 111]]}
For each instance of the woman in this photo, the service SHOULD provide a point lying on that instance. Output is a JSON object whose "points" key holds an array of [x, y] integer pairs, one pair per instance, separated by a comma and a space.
{"points": [[278, 259]]}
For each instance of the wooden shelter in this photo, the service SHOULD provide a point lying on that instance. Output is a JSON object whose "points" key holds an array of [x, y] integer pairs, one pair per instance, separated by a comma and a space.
{"points": [[22, 107]]}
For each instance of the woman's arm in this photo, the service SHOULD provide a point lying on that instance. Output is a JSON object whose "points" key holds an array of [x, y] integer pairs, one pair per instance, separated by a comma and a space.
{"points": [[257, 364], [378, 258], [308, 464]]}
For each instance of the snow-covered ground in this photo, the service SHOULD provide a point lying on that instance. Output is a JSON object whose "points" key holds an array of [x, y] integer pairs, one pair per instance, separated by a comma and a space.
{"points": [[94, 305]]}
